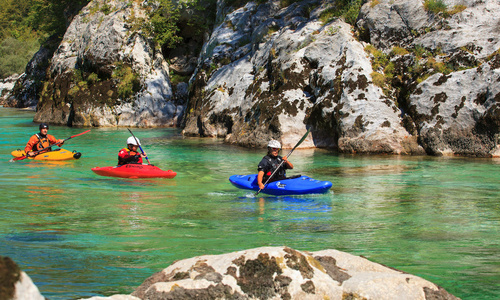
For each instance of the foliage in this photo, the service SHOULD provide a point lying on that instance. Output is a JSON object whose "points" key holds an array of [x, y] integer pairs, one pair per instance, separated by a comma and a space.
{"points": [[286, 3], [435, 6], [374, 3], [176, 79], [128, 81], [378, 79], [236, 3], [165, 26], [492, 55], [457, 9], [399, 51], [347, 9], [105, 8], [14, 55], [438, 6], [380, 60], [162, 24], [30, 23]]}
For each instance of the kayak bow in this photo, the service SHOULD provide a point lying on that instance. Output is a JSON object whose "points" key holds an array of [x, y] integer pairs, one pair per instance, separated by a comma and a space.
{"points": [[56, 155], [292, 186], [134, 171]]}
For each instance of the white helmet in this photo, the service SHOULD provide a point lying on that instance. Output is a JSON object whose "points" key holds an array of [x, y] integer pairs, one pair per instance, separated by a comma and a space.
{"points": [[274, 144], [131, 141]]}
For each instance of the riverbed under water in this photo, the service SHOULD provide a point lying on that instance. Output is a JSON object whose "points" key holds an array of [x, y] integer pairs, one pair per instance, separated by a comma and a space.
{"points": [[77, 234]]}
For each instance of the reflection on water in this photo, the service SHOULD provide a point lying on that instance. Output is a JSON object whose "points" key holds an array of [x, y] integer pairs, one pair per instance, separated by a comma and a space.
{"points": [[78, 234]]}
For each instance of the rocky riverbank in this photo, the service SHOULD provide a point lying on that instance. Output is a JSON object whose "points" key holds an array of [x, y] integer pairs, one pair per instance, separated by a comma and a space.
{"points": [[396, 77], [262, 273]]}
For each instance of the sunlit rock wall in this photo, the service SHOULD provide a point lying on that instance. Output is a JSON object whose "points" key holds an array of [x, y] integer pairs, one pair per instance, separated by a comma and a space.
{"points": [[106, 73], [271, 72]]}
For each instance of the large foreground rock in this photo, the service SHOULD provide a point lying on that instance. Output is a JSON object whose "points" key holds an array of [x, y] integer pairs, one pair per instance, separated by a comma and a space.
{"points": [[285, 273], [260, 273], [15, 284]]}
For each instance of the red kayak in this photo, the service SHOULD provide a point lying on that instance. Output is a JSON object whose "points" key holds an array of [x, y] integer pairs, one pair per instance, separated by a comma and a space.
{"points": [[134, 171]]}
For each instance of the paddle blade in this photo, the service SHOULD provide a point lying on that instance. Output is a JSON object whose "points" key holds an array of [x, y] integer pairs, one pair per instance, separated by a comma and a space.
{"points": [[18, 158], [78, 134]]}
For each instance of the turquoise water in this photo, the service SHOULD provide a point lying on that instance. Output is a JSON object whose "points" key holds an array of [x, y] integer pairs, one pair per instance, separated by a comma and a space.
{"points": [[78, 234]]}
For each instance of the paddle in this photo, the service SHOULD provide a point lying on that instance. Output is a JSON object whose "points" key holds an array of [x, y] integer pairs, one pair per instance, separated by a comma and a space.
{"points": [[139, 145], [56, 144], [287, 156]]}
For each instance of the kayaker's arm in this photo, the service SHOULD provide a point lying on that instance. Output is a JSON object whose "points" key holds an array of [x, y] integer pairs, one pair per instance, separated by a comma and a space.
{"points": [[54, 141], [288, 163], [31, 143], [260, 176]]}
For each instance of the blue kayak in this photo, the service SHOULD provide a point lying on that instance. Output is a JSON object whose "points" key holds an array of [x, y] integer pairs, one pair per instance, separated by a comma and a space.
{"points": [[290, 186]]}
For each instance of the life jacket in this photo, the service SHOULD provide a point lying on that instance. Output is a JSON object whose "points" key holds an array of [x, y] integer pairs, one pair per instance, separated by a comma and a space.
{"points": [[130, 159], [273, 163], [43, 142]]}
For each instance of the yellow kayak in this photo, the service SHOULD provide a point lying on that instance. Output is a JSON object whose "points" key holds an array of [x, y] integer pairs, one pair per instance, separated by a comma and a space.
{"points": [[58, 154]]}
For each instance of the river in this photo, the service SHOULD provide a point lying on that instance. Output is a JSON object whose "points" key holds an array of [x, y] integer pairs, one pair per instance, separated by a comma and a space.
{"points": [[77, 234]]}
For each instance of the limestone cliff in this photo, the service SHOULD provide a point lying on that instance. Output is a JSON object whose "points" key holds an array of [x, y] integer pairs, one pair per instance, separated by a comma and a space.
{"points": [[400, 77], [107, 73], [270, 71]]}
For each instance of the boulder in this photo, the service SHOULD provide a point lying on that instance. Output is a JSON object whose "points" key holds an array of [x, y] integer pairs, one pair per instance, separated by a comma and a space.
{"points": [[285, 273], [16, 284]]}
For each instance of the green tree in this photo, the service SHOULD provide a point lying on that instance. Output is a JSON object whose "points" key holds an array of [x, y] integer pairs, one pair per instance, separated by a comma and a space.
{"points": [[27, 24], [14, 55], [163, 24]]}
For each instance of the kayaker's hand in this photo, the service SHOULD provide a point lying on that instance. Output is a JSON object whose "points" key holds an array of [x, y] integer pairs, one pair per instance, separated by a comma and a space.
{"points": [[60, 142], [30, 154], [261, 186], [144, 155], [288, 163]]}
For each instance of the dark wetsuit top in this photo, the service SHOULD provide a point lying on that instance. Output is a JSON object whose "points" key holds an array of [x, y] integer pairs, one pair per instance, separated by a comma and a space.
{"points": [[268, 164]]}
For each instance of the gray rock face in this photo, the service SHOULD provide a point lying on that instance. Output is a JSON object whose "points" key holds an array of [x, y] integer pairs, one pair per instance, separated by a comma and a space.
{"points": [[455, 112], [406, 79], [105, 73], [270, 72], [392, 23], [449, 118], [407, 23], [293, 73], [6, 86], [284, 273]]}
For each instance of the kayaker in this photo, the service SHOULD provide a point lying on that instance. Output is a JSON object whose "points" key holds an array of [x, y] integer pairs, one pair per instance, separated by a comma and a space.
{"points": [[270, 163], [41, 140], [130, 155]]}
